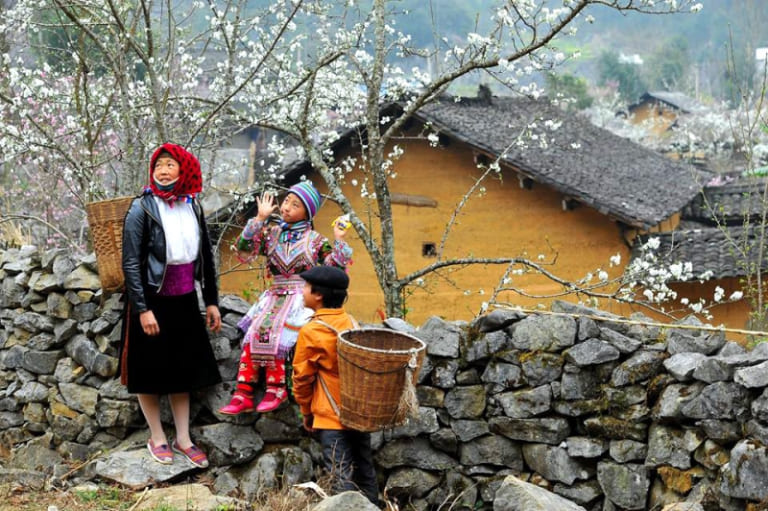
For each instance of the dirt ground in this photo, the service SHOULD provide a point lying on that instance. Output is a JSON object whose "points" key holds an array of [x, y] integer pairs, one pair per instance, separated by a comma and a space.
{"points": [[14, 498]]}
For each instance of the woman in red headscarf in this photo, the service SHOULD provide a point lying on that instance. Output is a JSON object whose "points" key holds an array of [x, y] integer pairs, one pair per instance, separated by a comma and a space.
{"points": [[165, 347]]}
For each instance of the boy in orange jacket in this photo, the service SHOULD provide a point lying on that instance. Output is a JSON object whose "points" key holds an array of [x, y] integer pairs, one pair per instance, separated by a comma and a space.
{"points": [[347, 453]]}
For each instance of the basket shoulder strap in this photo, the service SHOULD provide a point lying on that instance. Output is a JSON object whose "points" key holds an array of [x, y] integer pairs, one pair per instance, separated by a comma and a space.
{"points": [[355, 324], [326, 325], [334, 405]]}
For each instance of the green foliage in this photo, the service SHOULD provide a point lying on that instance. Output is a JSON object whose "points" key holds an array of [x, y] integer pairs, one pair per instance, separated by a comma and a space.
{"points": [[708, 34], [66, 47], [738, 77], [87, 495], [624, 76], [248, 293], [450, 18], [164, 507], [103, 498], [570, 87], [669, 64], [4, 47]]}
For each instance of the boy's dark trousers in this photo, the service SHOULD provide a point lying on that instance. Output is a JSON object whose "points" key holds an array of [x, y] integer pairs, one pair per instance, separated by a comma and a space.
{"points": [[349, 459]]}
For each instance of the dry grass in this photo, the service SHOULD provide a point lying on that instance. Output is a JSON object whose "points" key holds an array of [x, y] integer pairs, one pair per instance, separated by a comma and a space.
{"points": [[115, 498], [291, 500], [15, 498], [11, 234]]}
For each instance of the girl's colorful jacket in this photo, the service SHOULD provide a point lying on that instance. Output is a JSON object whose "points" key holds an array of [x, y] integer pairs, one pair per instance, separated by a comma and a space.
{"points": [[272, 324]]}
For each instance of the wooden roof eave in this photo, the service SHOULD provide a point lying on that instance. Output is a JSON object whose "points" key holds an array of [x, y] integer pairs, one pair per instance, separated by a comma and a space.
{"points": [[578, 196], [631, 222]]}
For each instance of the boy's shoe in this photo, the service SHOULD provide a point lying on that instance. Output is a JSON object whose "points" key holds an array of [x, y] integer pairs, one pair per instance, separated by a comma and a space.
{"points": [[237, 405], [274, 397], [160, 453], [192, 453]]}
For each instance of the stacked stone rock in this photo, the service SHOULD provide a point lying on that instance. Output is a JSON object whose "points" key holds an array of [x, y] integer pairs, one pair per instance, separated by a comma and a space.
{"points": [[604, 414]]}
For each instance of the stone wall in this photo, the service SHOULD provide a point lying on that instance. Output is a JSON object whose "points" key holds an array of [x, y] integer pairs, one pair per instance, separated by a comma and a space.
{"points": [[604, 413]]}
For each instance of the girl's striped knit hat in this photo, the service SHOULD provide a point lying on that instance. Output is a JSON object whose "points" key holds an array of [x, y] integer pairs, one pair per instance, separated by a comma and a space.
{"points": [[308, 195]]}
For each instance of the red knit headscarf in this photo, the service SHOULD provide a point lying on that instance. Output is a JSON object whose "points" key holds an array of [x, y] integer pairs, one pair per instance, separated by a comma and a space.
{"points": [[190, 181]]}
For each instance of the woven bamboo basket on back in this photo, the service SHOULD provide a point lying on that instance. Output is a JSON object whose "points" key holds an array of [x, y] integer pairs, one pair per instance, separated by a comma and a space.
{"points": [[106, 221], [378, 369]]}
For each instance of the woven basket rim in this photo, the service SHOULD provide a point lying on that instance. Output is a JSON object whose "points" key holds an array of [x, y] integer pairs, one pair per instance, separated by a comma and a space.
{"points": [[422, 344], [111, 199]]}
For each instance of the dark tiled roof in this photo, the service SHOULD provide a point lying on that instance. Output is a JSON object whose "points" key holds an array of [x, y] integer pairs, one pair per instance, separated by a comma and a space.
{"points": [[611, 174], [583, 162], [708, 249], [733, 203], [718, 245], [676, 100]]}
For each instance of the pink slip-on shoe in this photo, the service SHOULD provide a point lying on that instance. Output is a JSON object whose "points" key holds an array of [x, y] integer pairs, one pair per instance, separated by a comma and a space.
{"points": [[274, 397], [160, 453], [237, 405], [192, 453]]}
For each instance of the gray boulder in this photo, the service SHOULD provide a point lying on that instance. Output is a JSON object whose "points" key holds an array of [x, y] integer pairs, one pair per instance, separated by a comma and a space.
{"points": [[137, 470], [544, 333], [517, 495], [554, 463], [625, 485], [347, 501], [744, 476]]}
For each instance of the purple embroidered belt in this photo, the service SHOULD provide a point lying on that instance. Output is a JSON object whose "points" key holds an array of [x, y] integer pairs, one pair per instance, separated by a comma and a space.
{"points": [[179, 279]]}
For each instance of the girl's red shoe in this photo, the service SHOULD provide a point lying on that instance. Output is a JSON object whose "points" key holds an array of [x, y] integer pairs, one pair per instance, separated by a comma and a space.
{"points": [[273, 398], [237, 405]]}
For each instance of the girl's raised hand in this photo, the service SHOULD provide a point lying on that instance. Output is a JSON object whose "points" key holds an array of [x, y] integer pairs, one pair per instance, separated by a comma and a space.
{"points": [[265, 205], [340, 226]]}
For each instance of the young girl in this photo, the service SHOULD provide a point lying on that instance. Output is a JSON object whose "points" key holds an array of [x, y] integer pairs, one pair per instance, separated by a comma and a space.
{"points": [[164, 345], [271, 325]]}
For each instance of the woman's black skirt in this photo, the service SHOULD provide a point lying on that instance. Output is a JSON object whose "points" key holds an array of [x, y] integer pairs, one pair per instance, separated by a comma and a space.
{"points": [[179, 359]]}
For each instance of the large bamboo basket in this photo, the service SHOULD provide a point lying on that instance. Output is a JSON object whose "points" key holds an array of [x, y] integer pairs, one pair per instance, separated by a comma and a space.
{"points": [[378, 370], [106, 221]]}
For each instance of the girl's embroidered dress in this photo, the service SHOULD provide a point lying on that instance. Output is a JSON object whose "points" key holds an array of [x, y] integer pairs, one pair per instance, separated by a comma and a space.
{"points": [[271, 326]]}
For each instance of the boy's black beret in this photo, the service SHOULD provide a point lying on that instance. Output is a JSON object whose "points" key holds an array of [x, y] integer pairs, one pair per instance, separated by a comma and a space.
{"points": [[326, 276]]}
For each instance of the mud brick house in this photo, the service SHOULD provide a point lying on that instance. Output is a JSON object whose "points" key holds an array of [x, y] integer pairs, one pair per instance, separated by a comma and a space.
{"points": [[568, 193], [660, 110]]}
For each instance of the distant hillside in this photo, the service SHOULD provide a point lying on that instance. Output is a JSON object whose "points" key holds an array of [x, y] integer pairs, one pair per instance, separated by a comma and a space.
{"points": [[707, 32], [723, 31]]}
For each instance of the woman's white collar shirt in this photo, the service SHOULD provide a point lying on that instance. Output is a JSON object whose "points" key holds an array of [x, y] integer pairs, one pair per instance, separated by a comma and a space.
{"points": [[182, 232]]}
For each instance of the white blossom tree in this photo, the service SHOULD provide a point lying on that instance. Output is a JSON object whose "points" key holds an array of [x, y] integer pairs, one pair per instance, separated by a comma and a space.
{"points": [[521, 41], [133, 73], [78, 118]]}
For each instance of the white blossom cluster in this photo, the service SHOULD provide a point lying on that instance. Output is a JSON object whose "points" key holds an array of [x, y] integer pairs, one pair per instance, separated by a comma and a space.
{"points": [[650, 276], [715, 131]]}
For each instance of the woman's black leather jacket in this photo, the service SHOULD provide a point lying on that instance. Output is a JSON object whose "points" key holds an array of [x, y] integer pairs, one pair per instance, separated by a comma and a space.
{"points": [[144, 254]]}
